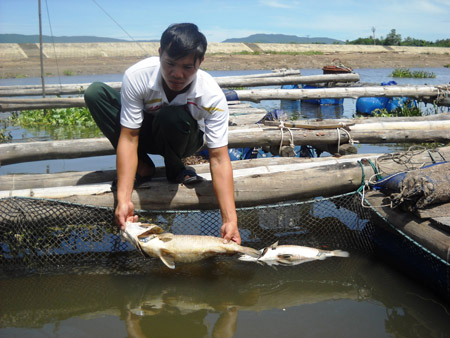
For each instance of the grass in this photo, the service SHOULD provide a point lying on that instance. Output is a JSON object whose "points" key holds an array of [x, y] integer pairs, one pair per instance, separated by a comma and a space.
{"points": [[447, 66], [405, 72]]}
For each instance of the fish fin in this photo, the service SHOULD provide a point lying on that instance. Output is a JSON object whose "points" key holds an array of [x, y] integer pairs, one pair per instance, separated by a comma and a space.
{"points": [[153, 229], [250, 251], [167, 259], [340, 253], [167, 237], [274, 245]]}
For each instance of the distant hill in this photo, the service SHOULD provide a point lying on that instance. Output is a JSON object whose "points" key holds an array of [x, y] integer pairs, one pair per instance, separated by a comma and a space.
{"points": [[20, 38], [282, 38]]}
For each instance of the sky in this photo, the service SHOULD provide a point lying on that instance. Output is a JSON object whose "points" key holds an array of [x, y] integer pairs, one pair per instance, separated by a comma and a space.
{"points": [[219, 20]]}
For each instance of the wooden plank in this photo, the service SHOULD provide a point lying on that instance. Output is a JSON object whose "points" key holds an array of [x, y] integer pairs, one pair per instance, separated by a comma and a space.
{"points": [[442, 223], [420, 230], [438, 210]]}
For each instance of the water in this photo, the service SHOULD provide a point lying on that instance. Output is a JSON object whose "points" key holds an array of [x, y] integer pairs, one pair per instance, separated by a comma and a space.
{"points": [[338, 297], [304, 110]]}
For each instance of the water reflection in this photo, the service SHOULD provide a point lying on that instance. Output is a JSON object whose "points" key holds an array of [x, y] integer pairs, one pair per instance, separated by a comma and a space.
{"points": [[225, 298]]}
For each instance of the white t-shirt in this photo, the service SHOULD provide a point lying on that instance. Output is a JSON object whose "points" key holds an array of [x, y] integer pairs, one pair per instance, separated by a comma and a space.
{"points": [[142, 93]]}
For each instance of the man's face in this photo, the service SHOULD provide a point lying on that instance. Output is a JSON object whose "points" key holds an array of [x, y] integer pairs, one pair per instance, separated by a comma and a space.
{"points": [[178, 73]]}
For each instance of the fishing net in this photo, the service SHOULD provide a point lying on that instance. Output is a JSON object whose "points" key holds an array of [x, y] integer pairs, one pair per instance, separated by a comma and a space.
{"points": [[46, 236], [43, 235]]}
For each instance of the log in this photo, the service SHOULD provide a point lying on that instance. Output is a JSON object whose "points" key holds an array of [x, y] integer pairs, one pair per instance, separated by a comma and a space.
{"points": [[28, 181], [224, 82], [78, 88], [253, 186], [256, 95], [251, 136]]}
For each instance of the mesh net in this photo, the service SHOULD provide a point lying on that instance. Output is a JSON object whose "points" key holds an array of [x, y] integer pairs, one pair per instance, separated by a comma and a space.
{"points": [[47, 236], [42, 235]]}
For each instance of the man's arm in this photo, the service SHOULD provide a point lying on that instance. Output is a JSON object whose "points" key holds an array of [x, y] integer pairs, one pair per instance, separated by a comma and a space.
{"points": [[126, 171], [222, 179]]}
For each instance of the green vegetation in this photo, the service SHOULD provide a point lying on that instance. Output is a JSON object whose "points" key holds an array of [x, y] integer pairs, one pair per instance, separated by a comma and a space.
{"points": [[405, 72], [395, 39], [447, 66], [406, 110], [68, 72], [59, 124], [54, 117], [5, 135], [409, 108]]}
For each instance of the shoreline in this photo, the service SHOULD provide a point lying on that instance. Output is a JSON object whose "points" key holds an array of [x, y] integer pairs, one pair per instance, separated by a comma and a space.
{"points": [[30, 67]]}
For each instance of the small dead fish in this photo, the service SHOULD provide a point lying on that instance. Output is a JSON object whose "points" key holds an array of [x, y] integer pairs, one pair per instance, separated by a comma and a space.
{"points": [[150, 240], [291, 255]]}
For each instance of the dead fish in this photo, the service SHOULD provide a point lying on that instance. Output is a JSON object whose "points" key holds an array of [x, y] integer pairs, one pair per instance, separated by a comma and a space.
{"points": [[291, 255], [150, 240]]}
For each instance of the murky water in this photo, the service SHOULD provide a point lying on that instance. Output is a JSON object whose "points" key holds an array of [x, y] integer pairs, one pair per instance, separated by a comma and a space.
{"points": [[338, 297]]}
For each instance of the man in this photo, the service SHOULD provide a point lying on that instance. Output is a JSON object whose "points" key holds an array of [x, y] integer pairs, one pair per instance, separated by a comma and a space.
{"points": [[167, 106]]}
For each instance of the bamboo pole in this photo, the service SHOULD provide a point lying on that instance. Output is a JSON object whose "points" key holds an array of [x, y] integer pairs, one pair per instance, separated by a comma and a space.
{"points": [[256, 95], [251, 136], [224, 82]]}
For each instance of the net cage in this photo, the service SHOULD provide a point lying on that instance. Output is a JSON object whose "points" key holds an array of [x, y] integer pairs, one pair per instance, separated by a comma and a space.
{"points": [[49, 236]]}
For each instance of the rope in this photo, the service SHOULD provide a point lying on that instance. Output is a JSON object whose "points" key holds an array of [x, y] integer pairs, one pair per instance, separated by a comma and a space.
{"points": [[281, 126]]}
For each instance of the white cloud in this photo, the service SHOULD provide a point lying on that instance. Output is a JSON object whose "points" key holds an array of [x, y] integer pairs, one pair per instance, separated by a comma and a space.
{"points": [[429, 6], [275, 3]]}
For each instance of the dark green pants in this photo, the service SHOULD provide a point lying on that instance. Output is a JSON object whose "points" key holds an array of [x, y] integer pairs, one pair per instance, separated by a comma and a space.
{"points": [[171, 133]]}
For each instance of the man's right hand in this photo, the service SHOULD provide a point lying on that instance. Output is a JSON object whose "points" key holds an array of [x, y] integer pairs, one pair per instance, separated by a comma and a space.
{"points": [[125, 213]]}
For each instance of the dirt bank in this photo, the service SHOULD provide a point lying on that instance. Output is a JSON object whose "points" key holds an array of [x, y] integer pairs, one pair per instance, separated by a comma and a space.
{"points": [[111, 65]]}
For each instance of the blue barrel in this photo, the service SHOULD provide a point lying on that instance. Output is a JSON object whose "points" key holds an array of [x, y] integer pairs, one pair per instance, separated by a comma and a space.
{"points": [[366, 105]]}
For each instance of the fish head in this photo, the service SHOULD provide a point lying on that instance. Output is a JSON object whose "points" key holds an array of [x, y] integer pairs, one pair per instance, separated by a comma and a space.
{"points": [[134, 231]]}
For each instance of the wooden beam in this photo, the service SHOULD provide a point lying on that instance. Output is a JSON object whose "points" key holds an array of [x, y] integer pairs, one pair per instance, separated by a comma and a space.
{"points": [[251, 136]]}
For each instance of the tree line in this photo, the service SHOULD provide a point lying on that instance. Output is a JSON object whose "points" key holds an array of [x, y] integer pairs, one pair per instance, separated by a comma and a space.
{"points": [[395, 39]]}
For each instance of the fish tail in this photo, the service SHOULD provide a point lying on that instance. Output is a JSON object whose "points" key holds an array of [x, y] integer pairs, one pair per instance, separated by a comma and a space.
{"points": [[340, 253], [250, 251]]}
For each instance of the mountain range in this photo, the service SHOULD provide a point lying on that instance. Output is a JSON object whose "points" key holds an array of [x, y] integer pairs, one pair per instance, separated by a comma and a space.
{"points": [[282, 38], [255, 38]]}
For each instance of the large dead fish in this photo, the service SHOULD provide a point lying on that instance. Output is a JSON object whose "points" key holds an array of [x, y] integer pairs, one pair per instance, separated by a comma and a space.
{"points": [[150, 240], [291, 255]]}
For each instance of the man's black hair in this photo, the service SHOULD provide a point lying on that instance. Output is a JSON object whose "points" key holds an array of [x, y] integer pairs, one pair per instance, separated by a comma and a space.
{"points": [[180, 40]]}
